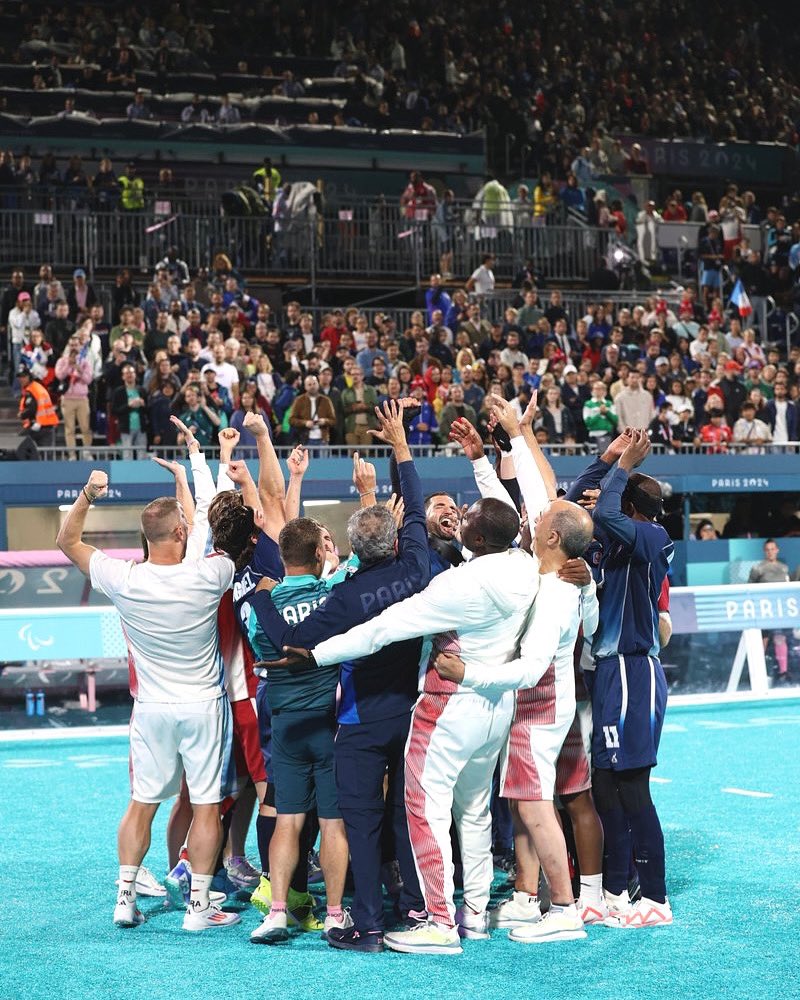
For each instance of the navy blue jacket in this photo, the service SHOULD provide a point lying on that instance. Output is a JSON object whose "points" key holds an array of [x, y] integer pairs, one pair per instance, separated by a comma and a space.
{"points": [[383, 685], [791, 418]]}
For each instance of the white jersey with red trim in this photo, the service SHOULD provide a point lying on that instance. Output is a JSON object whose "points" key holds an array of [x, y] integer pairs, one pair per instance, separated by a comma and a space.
{"points": [[169, 619]]}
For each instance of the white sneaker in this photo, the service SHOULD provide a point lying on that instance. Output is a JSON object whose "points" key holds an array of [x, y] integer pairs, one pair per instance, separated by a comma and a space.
{"points": [[518, 910], [472, 925], [241, 873], [616, 903], [593, 913], [212, 916], [425, 939], [271, 930], [147, 884], [556, 925], [644, 913], [126, 912], [344, 924]]}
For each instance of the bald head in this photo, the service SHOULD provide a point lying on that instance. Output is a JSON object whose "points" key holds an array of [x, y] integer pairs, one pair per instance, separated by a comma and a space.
{"points": [[563, 526], [489, 525], [160, 519]]}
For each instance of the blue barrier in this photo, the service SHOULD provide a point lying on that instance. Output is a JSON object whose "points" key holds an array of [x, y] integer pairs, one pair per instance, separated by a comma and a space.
{"points": [[61, 634]]}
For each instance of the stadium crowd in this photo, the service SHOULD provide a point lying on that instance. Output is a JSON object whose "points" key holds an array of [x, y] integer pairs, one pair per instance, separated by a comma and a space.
{"points": [[664, 71], [693, 372]]}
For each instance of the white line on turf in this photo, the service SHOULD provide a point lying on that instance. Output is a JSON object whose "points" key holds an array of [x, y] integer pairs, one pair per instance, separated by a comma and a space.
{"points": [[661, 781], [748, 793], [71, 733]]}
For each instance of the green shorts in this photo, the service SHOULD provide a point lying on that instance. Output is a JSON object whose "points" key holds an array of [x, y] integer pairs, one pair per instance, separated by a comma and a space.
{"points": [[302, 763]]}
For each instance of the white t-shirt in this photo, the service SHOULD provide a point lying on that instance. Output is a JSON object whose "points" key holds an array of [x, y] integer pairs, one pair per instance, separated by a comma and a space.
{"points": [[484, 280], [781, 432], [227, 375], [169, 619]]}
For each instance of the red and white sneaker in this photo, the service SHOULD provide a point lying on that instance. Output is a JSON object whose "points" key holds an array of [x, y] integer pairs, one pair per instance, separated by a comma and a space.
{"points": [[211, 916], [645, 913], [593, 913]]}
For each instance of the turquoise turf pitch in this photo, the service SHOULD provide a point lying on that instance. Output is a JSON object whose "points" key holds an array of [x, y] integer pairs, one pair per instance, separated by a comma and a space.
{"points": [[732, 864]]}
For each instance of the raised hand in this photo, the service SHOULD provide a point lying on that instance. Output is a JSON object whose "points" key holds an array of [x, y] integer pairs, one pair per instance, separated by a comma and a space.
{"points": [[397, 508], [463, 433], [228, 439], [506, 415], [530, 411], [239, 473], [188, 434], [637, 451], [589, 499], [171, 466], [365, 478], [97, 485], [256, 424], [391, 421], [297, 462], [614, 451]]}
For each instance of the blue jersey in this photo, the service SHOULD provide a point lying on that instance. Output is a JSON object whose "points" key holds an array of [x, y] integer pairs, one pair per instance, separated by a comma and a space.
{"points": [[635, 559], [267, 562]]}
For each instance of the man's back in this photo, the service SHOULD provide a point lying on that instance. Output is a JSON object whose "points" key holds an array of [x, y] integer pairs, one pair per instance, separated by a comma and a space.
{"points": [[169, 618]]}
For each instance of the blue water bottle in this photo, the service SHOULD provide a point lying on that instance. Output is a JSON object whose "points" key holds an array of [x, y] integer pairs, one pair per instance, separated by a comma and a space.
{"points": [[40, 702], [30, 703]]}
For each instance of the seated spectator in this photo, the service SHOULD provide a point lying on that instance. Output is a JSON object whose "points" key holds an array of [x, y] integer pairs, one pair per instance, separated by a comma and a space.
{"points": [[705, 531]]}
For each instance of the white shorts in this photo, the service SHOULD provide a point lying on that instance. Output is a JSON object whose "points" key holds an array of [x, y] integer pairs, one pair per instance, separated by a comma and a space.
{"points": [[540, 726], [168, 740]]}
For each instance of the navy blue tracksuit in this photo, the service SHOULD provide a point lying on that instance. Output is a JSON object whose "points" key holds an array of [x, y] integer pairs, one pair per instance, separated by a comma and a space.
{"points": [[378, 693]]}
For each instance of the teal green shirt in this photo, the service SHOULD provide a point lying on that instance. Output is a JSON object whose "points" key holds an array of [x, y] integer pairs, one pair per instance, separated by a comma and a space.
{"points": [[300, 688]]}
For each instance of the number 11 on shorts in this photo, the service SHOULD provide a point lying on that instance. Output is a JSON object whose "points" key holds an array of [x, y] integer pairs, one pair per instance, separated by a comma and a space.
{"points": [[612, 737]]}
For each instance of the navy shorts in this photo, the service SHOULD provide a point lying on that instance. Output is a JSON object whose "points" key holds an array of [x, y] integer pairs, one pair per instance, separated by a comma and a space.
{"points": [[265, 728], [302, 762], [629, 697]]}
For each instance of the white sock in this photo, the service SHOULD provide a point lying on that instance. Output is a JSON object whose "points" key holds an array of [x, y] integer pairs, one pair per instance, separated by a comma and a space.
{"points": [[127, 883], [201, 884], [592, 888]]}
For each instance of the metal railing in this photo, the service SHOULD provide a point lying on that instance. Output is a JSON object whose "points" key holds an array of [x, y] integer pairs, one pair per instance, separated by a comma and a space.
{"points": [[368, 240]]}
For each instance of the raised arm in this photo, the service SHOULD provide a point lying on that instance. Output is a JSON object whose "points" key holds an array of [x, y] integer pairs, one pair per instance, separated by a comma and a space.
{"points": [[532, 484], [70, 535], [270, 478], [593, 475], [228, 439], [463, 433], [297, 464], [365, 481], [608, 510]]}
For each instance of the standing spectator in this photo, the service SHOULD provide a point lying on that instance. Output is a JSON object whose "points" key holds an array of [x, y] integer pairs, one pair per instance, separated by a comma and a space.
{"points": [[733, 391], [129, 406], [782, 415], [313, 416], [201, 419], [36, 411], [359, 402], [635, 406], [481, 281], [545, 199], [22, 320], [772, 570], [748, 429], [455, 409], [74, 370], [227, 374], [47, 290], [556, 418], [444, 228], [711, 256], [163, 432], [123, 294], [248, 403], [715, 433], [436, 297], [81, 297], [646, 232], [59, 329], [600, 417], [131, 190], [423, 425], [418, 201]]}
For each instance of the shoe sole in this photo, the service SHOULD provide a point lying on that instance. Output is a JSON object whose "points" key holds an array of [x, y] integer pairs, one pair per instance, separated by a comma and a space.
{"points": [[471, 935], [558, 936], [342, 946], [430, 949], [610, 922], [211, 927], [278, 939], [125, 924], [510, 924]]}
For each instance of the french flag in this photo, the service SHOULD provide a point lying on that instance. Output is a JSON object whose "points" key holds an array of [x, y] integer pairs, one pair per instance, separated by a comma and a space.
{"points": [[740, 300]]}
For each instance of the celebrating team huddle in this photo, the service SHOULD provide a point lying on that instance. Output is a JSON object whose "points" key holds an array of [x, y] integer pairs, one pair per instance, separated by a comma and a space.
{"points": [[457, 663]]}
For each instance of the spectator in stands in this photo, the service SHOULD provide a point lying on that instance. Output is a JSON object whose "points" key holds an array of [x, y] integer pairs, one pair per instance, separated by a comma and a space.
{"points": [[545, 199], [36, 411], [22, 321], [199, 416], [710, 251], [131, 190], [782, 415], [482, 280], [571, 195], [81, 296], [455, 409], [436, 298], [359, 402], [600, 417], [129, 407], [660, 429], [37, 355], [313, 416], [715, 433], [248, 403], [646, 232], [59, 329], [418, 200], [266, 179], [228, 114], [733, 391], [445, 221], [750, 430], [138, 110], [195, 113], [556, 418], [74, 371], [47, 290], [634, 404], [226, 373]]}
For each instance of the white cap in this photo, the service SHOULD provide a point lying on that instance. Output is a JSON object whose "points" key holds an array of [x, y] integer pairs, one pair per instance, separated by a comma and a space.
{"points": [[568, 369]]}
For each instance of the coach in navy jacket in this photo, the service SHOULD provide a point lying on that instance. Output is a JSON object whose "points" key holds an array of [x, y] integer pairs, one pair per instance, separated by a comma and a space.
{"points": [[378, 693]]}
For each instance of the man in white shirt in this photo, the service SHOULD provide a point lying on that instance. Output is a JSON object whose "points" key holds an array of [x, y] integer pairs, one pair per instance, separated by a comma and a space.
{"points": [[227, 374], [481, 281], [634, 404], [181, 718]]}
